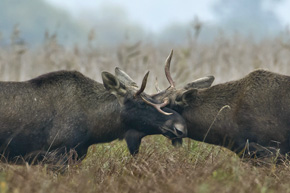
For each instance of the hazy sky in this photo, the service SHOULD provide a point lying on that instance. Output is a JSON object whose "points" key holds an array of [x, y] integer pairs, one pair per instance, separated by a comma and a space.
{"points": [[155, 15]]}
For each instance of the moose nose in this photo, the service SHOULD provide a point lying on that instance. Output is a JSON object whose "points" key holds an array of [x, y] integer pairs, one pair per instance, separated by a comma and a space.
{"points": [[180, 130]]}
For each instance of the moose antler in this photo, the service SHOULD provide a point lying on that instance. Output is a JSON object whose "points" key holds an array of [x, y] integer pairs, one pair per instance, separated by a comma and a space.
{"points": [[156, 86], [144, 82], [158, 106], [167, 70]]}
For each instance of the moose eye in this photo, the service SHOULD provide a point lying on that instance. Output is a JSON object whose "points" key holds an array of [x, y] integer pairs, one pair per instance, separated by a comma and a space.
{"points": [[178, 99]]}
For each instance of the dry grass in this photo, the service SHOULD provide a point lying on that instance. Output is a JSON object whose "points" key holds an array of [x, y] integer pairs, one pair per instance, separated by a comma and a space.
{"points": [[226, 59], [158, 168], [195, 167]]}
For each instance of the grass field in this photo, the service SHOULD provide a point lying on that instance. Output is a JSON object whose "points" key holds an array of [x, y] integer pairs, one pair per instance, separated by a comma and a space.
{"points": [[159, 167]]}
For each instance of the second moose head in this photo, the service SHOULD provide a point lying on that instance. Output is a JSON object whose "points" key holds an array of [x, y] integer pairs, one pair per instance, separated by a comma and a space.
{"points": [[249, 115]]}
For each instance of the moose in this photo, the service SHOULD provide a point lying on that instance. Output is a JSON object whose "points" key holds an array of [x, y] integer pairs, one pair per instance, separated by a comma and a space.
{"points": [[65, 110], [250, 116]]}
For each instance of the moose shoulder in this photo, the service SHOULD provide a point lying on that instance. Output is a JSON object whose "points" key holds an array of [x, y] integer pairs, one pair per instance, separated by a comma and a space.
{"points": [[65, 110], [248, 114]]}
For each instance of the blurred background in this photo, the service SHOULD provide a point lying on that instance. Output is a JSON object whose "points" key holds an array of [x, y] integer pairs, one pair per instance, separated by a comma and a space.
{"points": [[224, 38]]}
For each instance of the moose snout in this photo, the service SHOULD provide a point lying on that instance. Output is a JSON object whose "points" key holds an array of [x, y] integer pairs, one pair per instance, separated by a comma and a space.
{"points": [[174, 129], [180, 130]]}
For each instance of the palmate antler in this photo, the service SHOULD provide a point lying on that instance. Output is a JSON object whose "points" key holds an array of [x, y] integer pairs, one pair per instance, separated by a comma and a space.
{"points": [[142, 88], [167, 73], [204, 82], [167, 70], [156, 106], [157, 86]]}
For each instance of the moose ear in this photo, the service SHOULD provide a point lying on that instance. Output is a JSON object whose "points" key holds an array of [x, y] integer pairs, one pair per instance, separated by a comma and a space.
{"points": [[124, 77], [204, 82], [186, 98], [112, 84]]}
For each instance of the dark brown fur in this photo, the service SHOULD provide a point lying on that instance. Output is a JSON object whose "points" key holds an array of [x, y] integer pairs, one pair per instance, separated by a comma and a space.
{"points": [[252, 113], [65, 110]]}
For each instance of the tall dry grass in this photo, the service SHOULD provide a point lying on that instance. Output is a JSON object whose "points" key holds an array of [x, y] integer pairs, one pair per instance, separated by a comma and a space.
{"points": [[226, 58], [195, 167]]}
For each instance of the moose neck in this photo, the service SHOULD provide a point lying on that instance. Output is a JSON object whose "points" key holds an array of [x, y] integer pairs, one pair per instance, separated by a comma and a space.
{"points": [[210, 117], [104, 111]]}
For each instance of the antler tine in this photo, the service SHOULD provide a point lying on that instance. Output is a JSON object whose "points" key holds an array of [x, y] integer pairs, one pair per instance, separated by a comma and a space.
{"points": [[158, 106], [156, 86], [144, 82], [167, 70]]}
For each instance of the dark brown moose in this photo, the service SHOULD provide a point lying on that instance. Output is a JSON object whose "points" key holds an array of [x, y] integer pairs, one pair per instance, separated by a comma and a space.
{"points": [[250, 115], [65, 110]]}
